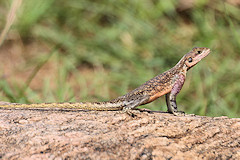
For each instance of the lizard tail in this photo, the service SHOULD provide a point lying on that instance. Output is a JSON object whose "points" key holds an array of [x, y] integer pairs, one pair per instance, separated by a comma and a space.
{"points": [[97, 106]]}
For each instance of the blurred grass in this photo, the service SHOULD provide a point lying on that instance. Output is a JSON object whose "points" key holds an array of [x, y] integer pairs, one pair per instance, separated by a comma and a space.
{"points": [[107, 48]]}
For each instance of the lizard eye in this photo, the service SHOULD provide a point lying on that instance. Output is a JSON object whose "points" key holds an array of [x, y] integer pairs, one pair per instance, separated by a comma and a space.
{"points": [[190, 60], [199, 52]]}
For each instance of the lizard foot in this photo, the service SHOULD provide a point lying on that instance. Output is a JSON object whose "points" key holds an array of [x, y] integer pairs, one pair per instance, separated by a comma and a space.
{"points": [[144, 110], [130, 112], [178, 113]]}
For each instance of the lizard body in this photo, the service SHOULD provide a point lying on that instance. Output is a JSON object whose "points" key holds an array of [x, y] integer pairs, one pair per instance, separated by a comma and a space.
{"points": [[168, 83]]}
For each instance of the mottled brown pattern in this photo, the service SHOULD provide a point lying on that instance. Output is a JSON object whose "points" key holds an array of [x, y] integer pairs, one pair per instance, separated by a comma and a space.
{"points": [[146, 93]]}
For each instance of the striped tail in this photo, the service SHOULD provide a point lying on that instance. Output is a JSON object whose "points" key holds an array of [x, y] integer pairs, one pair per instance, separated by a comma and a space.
{"points": [[97, 106]]}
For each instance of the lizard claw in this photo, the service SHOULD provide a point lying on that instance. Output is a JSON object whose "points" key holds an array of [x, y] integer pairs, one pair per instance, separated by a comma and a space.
{"points": [[179, 113], [130, 112]]}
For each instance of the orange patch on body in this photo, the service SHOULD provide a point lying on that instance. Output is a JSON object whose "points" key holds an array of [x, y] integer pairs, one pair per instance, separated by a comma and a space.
{"points": [[158, 94]]}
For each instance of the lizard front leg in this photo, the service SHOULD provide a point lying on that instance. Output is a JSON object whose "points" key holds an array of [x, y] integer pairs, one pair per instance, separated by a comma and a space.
{"points": [[171, 97]]}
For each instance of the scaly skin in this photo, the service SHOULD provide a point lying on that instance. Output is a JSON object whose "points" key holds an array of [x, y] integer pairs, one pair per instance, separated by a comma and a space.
{"points": [[168, 83]]}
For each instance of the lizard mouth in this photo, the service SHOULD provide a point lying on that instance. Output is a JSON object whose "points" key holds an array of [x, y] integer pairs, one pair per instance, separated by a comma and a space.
{"points": [[204, 54], [199, 57]]}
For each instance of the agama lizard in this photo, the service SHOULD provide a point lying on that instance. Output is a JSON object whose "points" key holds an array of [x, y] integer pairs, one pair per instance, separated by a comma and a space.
{"points": [[168, 83]]}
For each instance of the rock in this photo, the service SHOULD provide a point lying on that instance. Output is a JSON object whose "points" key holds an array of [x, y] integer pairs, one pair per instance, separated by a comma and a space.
{"points": [[38, 134]]}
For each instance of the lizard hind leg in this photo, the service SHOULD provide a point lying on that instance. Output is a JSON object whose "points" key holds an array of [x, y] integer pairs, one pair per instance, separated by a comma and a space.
{"points": [[129, 109]]}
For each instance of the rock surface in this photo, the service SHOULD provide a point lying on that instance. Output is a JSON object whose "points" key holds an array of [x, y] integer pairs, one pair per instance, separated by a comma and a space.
{"points": [[32, 134]]}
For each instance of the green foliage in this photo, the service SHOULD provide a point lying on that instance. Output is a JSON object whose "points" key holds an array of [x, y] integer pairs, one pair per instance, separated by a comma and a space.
{"points": [[125, 43]]}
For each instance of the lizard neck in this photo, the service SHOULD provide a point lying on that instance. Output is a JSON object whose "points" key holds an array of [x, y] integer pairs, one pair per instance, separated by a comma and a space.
{"points": [[180, 67]]}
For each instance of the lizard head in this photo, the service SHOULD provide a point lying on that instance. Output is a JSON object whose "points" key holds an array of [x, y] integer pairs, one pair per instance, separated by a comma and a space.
{"points": [[195, 55]]}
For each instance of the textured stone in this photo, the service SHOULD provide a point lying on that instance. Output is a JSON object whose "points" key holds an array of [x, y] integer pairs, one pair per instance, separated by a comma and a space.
{"points": [[31, 134]]}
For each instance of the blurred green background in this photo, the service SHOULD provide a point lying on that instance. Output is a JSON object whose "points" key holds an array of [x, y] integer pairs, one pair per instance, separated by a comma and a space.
{"points": [[97, 50]]}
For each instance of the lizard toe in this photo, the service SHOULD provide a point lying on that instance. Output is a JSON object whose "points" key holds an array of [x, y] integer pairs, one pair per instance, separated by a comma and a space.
{"points": [[179, 113]]}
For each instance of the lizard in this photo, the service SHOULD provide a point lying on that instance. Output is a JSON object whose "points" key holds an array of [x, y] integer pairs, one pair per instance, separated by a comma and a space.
{"points": [[169, 83]]}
